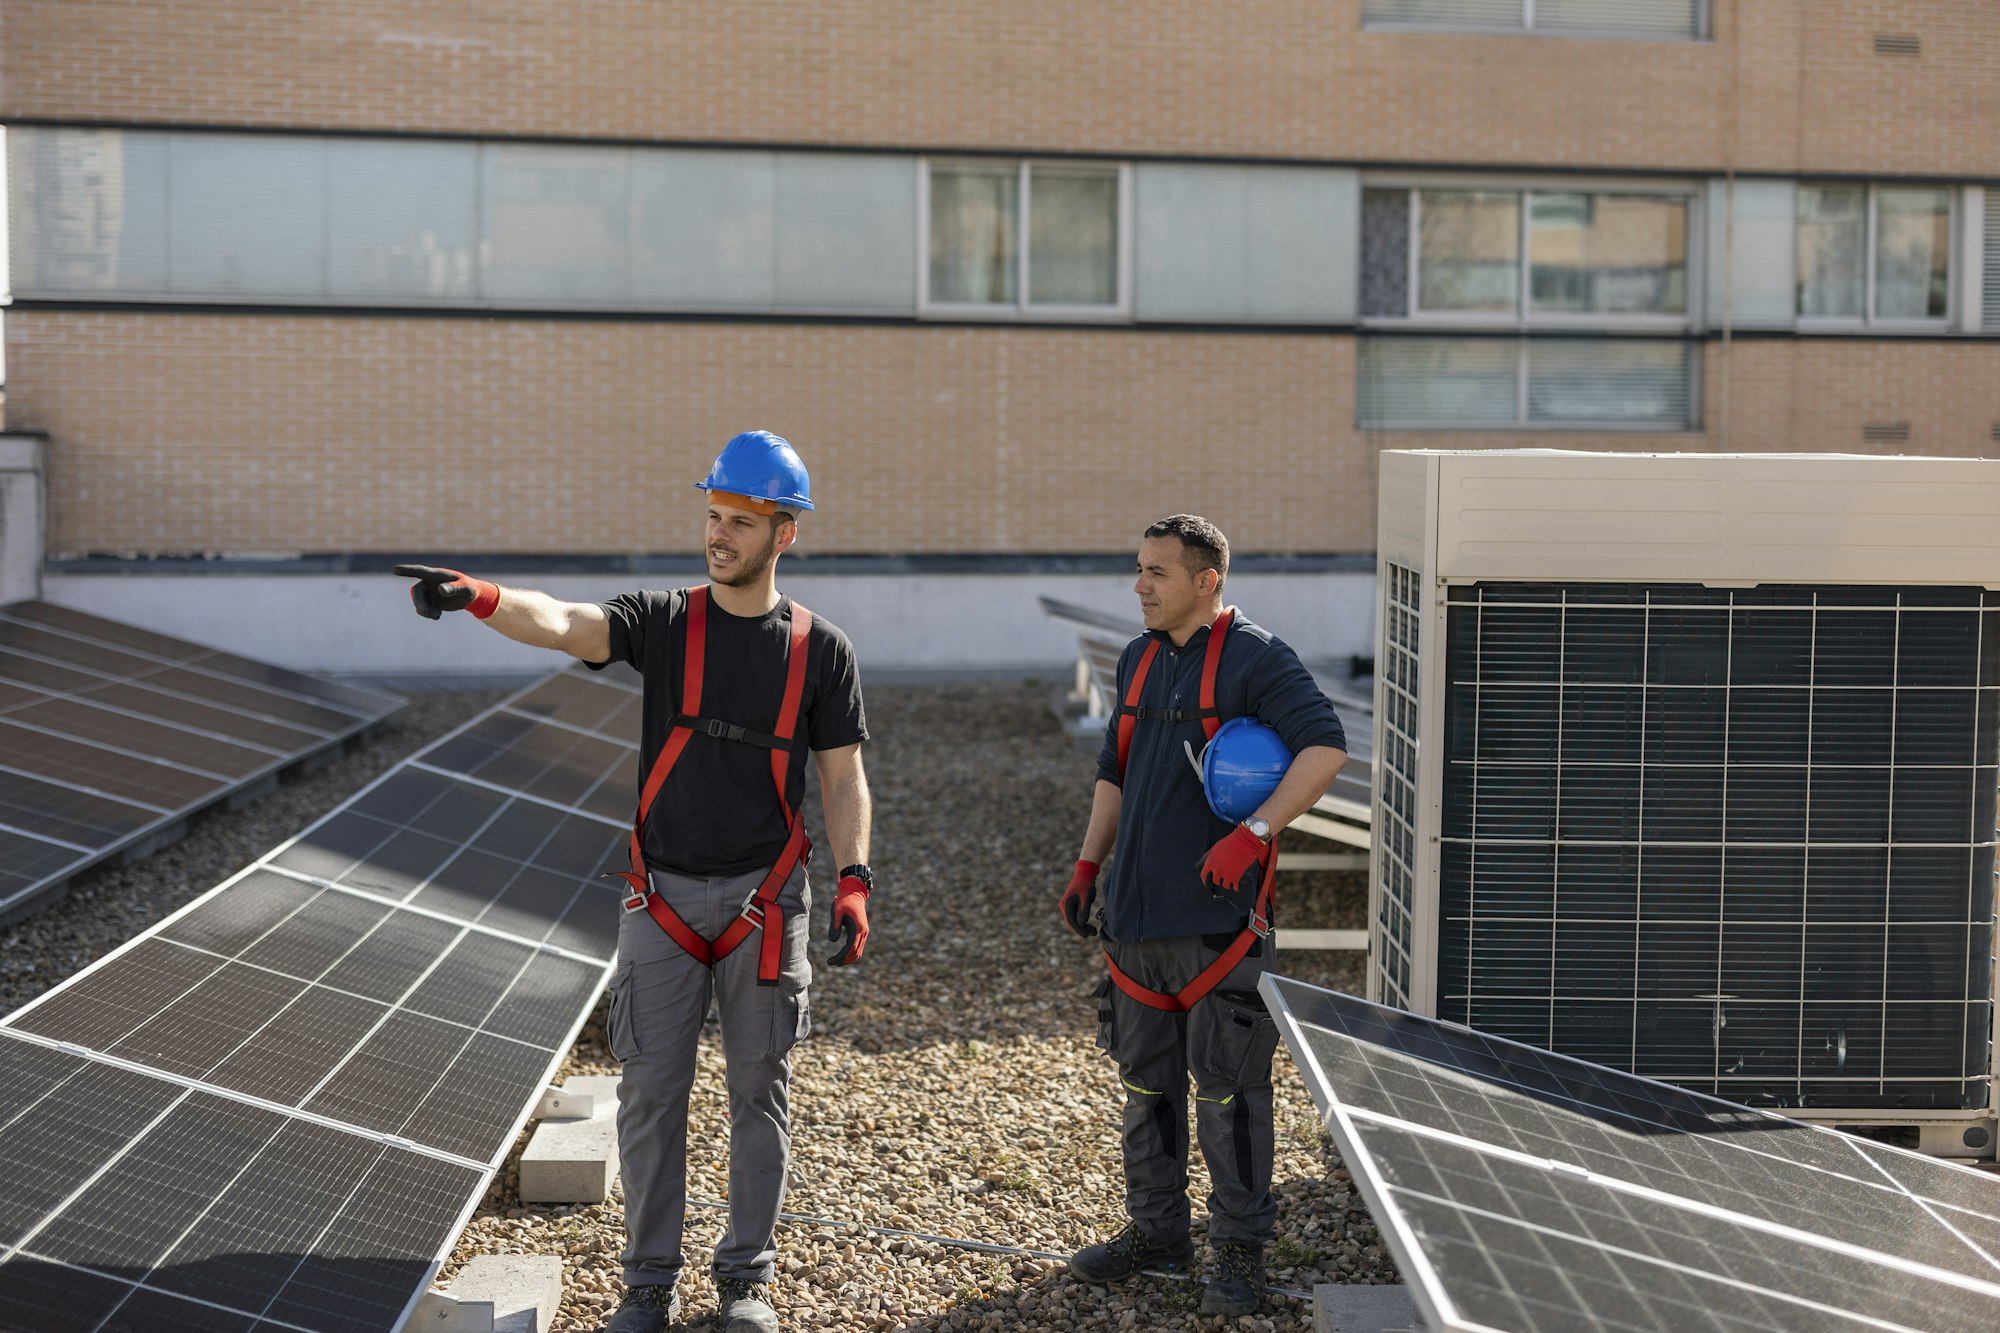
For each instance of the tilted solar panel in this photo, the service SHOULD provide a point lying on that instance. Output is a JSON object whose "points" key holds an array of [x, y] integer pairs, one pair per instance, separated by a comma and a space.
{"points": [[1523, 1190], [275, 1109], [110, 735]]}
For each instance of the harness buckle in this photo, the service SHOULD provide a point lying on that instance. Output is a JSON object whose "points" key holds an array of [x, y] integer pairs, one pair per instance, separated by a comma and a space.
{"points": [[1261, 924], [637, 901], [753, 911]]}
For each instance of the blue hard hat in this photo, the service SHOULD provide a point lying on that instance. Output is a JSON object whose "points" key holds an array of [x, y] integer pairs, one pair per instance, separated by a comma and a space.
{"points": [[762, 466], [1242, 766]]}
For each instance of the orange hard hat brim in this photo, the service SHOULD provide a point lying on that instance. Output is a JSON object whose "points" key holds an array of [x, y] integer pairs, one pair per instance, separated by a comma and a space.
{"points": [[754, 504]]}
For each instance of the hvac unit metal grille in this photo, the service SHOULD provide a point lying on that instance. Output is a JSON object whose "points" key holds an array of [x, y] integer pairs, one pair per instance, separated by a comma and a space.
{"points": [[1738, 840], [1396, 782], [1898, 44]]}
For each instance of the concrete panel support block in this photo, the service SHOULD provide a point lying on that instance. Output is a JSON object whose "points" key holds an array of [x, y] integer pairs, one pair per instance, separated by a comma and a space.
{"points": [[524, 1289], [23, 517], [1341, 1308], [575, 1161]]}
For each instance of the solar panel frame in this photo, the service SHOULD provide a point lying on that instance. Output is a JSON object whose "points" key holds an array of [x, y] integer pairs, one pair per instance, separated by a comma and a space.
{"points": [[113, 759], [456, 1114], [1443, 1115]]}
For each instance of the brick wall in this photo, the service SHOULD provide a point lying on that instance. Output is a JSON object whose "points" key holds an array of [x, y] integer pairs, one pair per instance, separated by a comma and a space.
{"points": [[235, 433], [1787, 86]]}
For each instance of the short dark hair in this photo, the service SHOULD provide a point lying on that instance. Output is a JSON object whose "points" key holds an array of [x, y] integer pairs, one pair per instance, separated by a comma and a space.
{"points": [[1202, 544]]}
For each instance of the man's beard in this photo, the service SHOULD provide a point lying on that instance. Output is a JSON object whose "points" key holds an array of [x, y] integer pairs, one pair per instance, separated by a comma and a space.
{"points": [[748, 567]]}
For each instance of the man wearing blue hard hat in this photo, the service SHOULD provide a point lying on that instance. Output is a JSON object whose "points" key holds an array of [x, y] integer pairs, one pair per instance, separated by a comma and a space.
{"points": [[1220, 740], [740, 683]]}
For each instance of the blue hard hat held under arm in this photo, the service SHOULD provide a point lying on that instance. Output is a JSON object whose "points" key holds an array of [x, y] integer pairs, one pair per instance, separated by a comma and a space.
{"points": [[1241, 767], [762, 466]]}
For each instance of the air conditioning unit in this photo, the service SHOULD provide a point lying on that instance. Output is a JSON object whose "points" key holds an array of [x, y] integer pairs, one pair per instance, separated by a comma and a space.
{"points": [[1686, 765]]}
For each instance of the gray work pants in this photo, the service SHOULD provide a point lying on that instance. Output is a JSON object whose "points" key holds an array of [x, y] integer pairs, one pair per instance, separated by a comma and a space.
{"points": [[659, 999], [1225, 1044]]}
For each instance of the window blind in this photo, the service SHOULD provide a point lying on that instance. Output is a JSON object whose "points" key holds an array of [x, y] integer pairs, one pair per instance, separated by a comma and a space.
{"points": [[1602, 383], [1262, 244], [1752, 274], [1989, 288], [1621, 18]]}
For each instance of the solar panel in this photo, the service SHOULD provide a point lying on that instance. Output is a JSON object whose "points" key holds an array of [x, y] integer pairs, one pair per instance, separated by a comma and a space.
{"points": [[1524, 1190], [110, 734], [276, 1108]]}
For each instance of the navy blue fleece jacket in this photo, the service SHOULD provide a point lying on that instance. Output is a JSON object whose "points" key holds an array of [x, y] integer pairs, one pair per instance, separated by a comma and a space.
{"points": [[1152, 888]]}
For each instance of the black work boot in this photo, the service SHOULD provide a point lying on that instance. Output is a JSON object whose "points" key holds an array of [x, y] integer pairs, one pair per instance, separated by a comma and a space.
{"points": [[1237, 1286], [744, 1306], [645, 1309], [1128, 1252]]}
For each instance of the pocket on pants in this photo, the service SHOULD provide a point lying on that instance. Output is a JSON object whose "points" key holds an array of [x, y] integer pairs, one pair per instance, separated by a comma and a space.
{"points": [[618, 1028], [1107, 1018], [1242, 1038], [791, 1020]]}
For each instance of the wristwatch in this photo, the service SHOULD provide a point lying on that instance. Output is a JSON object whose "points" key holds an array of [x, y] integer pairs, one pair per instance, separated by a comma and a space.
{"points": [[861, 872], [1258, 827]]}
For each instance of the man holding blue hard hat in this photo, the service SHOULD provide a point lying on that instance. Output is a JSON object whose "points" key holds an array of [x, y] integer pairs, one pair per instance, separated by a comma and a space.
{"points": [[1221, 739]]}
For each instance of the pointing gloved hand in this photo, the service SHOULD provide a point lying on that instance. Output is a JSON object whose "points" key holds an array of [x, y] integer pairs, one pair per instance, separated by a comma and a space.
{"points": [[1237, 863], [849, 928], [1078, 898], [440, 590]]}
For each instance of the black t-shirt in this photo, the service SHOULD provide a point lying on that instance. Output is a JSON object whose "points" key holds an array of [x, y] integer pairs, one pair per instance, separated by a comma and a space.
{"points": [[718, 813]]}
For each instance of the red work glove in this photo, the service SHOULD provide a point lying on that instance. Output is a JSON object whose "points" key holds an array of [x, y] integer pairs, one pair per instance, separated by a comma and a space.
{"points": [[849, 928], [1235, 864], [440, 590], [1077, 899]]}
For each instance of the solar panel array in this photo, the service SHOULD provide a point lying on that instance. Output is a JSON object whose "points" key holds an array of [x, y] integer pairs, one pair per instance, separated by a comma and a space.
{"points": [[110, 734], [276, 1109], [1523, 1190]]}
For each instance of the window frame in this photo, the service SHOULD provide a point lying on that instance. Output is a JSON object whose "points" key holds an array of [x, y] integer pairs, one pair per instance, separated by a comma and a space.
{"points": [[1021, 309], [1523, 316], [1867, 320], [1703, 24]]}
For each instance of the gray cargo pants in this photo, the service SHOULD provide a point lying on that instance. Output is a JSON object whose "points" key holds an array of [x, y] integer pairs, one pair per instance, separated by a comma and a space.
{"points": [[1225, 1043], [659, 999]]}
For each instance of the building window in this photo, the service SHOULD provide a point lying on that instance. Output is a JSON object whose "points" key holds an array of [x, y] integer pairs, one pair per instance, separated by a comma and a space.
{"points": [[1683, 19], [1872, 254], [1525, 256], [1458, 383], [1026, 237]]}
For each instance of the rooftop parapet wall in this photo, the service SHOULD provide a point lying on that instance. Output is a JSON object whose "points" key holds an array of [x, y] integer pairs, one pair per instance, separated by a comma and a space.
{"points": [[1781, 87]]}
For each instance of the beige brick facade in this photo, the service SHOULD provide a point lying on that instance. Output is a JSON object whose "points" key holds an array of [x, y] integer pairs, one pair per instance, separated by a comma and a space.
{"points": [[273, 434], [176, 432], [1783, 86]]}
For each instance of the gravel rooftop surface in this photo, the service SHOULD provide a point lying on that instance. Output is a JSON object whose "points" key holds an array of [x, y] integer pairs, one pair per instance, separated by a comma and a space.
{"points": [[951, 1085]]}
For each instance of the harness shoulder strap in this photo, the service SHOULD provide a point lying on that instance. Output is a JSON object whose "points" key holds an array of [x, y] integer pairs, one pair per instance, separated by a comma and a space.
{"points": [[1211, 662], [1130, 713]]}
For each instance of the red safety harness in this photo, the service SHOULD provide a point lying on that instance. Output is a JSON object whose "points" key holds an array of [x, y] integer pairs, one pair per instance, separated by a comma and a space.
{"points": [[1130, 714], [760, 909]]}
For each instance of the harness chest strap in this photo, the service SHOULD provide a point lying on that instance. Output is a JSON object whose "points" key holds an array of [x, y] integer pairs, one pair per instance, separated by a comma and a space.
{"points": [[760, 910], [1129, 715]]}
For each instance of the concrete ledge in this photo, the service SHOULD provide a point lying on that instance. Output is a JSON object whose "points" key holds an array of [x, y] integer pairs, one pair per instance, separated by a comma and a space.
{"points": [[524, 1289], [1343, 1308], [574, 1161]]}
